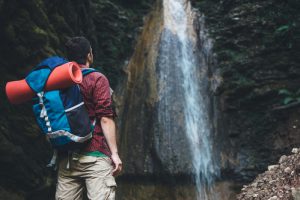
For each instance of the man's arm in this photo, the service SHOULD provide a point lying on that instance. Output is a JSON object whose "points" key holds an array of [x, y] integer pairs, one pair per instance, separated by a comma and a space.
{"points": [[109, 131], [104, 112]]}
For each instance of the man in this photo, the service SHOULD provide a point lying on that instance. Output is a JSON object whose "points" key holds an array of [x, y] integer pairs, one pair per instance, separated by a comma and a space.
{"points": [[94, 165]]}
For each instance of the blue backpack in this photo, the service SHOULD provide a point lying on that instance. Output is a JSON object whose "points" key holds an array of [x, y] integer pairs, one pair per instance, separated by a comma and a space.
{"points": [[61, 114]]}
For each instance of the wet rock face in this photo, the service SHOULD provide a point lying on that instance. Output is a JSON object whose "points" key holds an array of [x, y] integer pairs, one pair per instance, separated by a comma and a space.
{"points": [[136, 101], [171, 145], [32, 30], [256, 53], [151, 125]]}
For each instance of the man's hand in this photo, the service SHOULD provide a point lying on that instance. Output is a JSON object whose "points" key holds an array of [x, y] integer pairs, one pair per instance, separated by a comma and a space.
{"points": [[117, 164]]}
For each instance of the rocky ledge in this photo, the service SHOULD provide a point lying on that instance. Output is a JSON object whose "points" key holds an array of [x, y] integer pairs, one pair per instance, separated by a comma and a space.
{"points": [[280, 181]]}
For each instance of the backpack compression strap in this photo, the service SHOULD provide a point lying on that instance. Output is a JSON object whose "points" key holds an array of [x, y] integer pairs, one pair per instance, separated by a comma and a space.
{"points": [[37, 78]]}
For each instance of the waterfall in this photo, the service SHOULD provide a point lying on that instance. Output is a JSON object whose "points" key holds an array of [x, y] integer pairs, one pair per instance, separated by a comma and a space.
{"points": [[182, 89]]}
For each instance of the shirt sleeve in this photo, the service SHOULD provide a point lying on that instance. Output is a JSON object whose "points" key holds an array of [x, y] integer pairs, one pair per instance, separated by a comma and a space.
{"points": [[102, 98]]}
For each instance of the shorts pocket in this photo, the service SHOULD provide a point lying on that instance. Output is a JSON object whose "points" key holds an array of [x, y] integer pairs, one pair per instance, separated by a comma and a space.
{"points": [[110, 181], [111, 185]]}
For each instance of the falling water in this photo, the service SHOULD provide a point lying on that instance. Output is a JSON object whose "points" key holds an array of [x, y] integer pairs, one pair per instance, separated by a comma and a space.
{"points": [[183, 102]]}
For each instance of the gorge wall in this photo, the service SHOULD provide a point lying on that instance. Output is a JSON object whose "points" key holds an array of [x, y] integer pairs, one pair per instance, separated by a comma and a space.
{"points": [[256, 45]]}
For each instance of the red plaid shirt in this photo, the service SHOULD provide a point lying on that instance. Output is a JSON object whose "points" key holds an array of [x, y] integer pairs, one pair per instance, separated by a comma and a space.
{"points": [[96, 94]]}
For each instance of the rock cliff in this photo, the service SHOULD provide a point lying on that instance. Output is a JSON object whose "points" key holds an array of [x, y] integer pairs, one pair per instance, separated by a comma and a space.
{"points": [[138, 109], [256, 45]]}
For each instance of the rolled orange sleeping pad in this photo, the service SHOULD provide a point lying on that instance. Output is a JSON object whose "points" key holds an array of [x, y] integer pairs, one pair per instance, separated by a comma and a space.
{"points": [[61, 77]]}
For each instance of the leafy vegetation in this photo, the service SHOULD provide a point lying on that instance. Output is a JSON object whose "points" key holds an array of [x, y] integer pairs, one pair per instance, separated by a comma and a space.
{"points": [[289, 97]]}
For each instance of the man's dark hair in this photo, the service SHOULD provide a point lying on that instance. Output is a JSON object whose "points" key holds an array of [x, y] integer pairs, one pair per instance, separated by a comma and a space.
{"points": [[78, 49]]}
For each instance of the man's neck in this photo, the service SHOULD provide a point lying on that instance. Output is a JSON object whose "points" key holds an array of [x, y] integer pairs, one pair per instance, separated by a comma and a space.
{"points": [[86, 65]]}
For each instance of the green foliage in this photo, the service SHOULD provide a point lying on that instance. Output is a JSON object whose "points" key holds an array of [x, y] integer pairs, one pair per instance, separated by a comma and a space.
{"points": [[289, 97], [285, 92], [243, 81], [282, 29], [233, 55], [287, 33]]}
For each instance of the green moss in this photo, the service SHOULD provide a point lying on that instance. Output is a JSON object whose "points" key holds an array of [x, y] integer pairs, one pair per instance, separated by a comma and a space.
{"points": [[243, 81], [233, 56], [60, 24], [22, 52], [40, 32], [10, 32]]}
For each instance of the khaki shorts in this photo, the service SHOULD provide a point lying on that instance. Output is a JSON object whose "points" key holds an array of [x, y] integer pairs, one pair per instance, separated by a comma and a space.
{"points": [[94, 173]]}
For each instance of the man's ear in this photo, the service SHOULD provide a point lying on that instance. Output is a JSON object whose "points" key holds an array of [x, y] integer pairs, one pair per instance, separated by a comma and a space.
{"points": [[90, 57]]}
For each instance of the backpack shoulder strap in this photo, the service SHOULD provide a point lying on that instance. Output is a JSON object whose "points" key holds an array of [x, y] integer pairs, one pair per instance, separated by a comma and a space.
{"points": [[86, 71]]}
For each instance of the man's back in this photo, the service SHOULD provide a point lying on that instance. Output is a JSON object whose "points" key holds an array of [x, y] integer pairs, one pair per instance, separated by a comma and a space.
{"points": [[97, 98]]}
